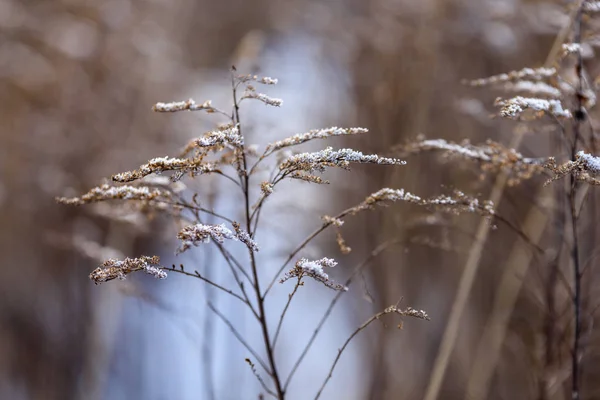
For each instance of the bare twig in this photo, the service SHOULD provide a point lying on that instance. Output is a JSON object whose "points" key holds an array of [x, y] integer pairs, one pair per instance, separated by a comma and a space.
{"points": [[393, 309], [378, 250], [259, 378], [197, 274], [287, 305], [239, 337]]}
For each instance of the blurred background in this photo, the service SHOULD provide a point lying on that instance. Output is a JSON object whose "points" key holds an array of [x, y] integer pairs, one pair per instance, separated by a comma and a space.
{"points": [[77, 82]]}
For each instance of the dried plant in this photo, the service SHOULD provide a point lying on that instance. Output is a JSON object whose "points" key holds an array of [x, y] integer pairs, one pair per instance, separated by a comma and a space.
{"points": [[223, 152], [560, 95], [491, 157]]}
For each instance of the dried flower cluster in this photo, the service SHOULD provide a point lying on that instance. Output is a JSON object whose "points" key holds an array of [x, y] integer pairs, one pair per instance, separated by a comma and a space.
{"points": [[107, 192], [532, 74], [458, 204], [117, 269], [301, 166], [491, 157], [408, 312], [313, 134], [314, 269], [266, 80], [571, 48], [217, 140], [591, 6], [516, 106], [266, 188], [163, 164], [189, 105], [251, 93], [244, 237], [337, 222], [532, 88], [583, 168], [193, 235]]}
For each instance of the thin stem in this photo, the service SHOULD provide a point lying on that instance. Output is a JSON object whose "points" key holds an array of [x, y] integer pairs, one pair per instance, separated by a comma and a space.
{"points": [[239, 337], [201, 209], [256, 283], [287, 305], [378, 250], [577, 295], [232, 261], [197, 274], [578, 118], [520, 233], [390, 310], [228, 177], [255, 216], [259, 378]]}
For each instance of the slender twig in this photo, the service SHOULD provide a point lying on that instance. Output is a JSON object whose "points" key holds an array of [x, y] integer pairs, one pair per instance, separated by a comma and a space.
{"points": [[256, 283], [255, 216], [520, 233], [259, 378], [378, 250], [228, 177], [390, 310], [287, 305], [239, 337], [201, 209], [197, 274]]}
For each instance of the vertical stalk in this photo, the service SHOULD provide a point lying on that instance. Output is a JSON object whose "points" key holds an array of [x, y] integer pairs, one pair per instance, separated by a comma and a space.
{"points": [[256, 284], [577, 293], [578, 117]]}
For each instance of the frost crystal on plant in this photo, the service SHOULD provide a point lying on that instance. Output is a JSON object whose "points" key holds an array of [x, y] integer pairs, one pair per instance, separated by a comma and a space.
{"points": [[271, 101], [534, 88], [514, 107], [244, 237], [492, 157], [217, 140], [536, 74], [192, 235], [332, 221], [591, 6], [314, 269], [592, 163], [162, 164], [266, 188], [107, 192], [317, 161], [200, 233], [570, 48], [266, 80], [583, 168], [458, 204], [189, 105], [119, 269], [313, 134]]}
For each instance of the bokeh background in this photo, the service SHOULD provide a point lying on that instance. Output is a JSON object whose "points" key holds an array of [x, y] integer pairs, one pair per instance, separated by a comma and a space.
{"points": [[77, 81]]}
